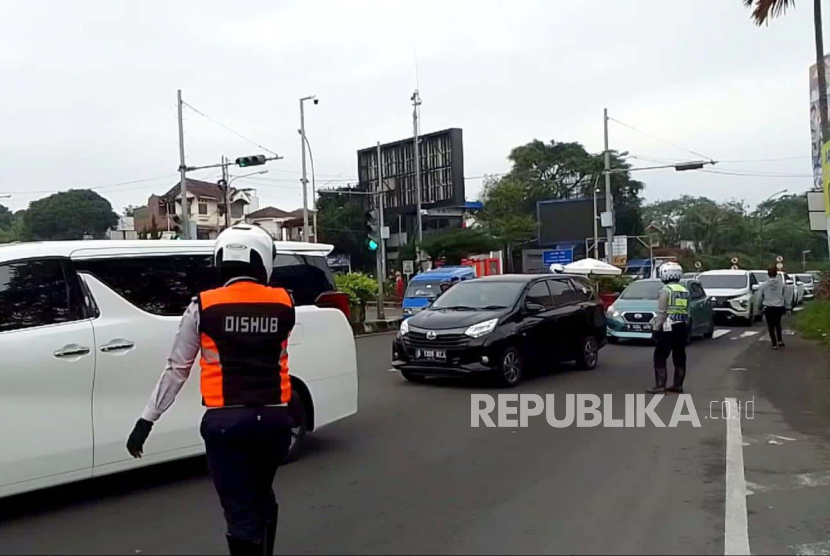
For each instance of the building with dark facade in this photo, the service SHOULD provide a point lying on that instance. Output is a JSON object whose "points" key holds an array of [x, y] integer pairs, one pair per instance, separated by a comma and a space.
{"points": [[442, 183]]}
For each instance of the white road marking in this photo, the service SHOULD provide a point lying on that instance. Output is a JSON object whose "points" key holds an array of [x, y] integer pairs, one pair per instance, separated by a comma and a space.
{"points": [[813, 549], [721, 332], [736, 531], [738, 368], [794, 482], [788, 439], [798, 309], [749, 334]]}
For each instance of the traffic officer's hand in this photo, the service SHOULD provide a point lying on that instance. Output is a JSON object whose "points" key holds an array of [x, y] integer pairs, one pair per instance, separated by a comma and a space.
{"points": [[135, 443]]}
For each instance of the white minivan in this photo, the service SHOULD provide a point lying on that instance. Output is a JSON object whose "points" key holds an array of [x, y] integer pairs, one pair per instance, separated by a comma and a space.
{"points": [[735, 293], [85, 331]]}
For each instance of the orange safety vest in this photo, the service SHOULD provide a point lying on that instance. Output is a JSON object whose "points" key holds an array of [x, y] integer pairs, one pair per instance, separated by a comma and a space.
{"points": [[243, 330]]}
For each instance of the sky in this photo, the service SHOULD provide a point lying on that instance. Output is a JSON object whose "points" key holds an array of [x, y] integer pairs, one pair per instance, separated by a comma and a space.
{"points": [[89, 89]]}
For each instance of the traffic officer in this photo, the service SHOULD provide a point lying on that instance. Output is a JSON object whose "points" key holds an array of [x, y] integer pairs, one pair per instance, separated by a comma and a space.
{"points": [[671, 328], [242, 332]]}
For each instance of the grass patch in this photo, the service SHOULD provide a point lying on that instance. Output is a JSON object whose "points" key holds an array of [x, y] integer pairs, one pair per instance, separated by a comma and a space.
{"points": [[814, 321]]}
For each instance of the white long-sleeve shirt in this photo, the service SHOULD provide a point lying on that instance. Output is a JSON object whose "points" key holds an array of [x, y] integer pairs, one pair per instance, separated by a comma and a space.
{"points": [[186, 348]]}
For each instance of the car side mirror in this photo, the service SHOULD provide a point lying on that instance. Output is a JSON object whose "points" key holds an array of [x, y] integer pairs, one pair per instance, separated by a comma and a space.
{"points": [[755, 287], [534, 308]]}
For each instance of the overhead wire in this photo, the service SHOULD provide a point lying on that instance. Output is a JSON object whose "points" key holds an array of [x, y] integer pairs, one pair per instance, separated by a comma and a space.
{"points": [[657, 138], [223, 126]]}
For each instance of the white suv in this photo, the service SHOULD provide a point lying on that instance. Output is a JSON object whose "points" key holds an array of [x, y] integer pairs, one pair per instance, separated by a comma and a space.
{"points": [[735, 293], [85, 330]]}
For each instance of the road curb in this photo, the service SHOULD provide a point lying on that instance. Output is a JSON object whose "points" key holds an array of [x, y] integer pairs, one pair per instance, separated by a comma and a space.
{"points": [[375, 326]]}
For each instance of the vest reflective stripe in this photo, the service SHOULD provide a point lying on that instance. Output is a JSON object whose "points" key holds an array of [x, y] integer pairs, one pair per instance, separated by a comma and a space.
{"points": [[678, 308], [244, 329]]}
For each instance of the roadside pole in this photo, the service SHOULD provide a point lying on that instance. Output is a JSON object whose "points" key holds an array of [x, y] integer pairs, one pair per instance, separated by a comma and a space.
{"points": [[183, 173], [381, 252], [609, 198], [226, 192]]}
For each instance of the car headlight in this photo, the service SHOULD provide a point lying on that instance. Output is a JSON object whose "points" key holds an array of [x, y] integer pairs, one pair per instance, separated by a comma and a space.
{"points": [[404, 329], [612, 313], [743, 301], [407, 311], [482, 328]]}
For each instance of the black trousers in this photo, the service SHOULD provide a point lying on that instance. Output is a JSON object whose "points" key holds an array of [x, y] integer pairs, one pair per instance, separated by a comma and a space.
{"points": [[671, 343], [245, 446], [773, 316]]}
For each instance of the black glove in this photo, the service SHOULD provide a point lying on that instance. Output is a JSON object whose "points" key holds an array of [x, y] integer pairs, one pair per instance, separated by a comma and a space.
{"points": [[135, 443]]}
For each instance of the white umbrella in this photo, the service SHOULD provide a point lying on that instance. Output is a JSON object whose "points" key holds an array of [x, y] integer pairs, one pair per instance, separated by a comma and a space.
{"points": [[592, 266]]}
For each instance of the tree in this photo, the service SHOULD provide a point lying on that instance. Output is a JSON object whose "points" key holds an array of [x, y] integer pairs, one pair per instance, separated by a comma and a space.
{"points": [[765, 10], [6, 218], [504, 216], [556, 170], [70, 215], [453, 244]]}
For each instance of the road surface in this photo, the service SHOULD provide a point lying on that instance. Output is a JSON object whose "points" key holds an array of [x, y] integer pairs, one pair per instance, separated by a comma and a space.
{"points": [[408, 474]]}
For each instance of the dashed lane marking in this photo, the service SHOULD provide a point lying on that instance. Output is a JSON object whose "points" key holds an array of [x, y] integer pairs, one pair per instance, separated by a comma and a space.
{"points": [[747, 334], [813, 549], [794, 482], [719, 332], [736, 531]]}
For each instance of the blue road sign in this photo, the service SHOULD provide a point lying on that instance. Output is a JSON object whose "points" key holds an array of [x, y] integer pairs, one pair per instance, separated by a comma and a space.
{"points": [[560, 256]]}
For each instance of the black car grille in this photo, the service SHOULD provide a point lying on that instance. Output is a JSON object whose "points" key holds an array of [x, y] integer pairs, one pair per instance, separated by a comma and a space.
{"points": [[442, 340], [638, 317]]}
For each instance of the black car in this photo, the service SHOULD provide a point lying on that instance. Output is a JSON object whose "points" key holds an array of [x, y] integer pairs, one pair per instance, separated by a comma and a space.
{"points": [[502, 324]]}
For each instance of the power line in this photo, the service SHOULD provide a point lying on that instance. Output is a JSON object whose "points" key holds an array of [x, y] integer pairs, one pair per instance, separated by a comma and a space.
{"points": [[223, 126], [746, 160], [756, 175], [93, 187], [666, 141]]}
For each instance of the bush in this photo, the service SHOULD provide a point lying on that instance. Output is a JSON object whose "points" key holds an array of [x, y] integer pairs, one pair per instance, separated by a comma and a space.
{"points": [[360, 287], [814, 321]]}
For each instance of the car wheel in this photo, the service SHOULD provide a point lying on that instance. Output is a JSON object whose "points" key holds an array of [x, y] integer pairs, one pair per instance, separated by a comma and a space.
{"points": [[511, 367], [297, 409], [412, 377], [588, 355], [711, 330]]}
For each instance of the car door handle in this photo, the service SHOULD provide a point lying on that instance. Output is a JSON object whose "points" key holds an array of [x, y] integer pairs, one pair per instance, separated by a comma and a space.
{"points": [[117, 346], [72, 351]]}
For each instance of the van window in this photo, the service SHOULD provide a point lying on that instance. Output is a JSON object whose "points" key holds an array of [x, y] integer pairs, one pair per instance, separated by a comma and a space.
{"points": [[159, 285], [35, 293], [304, 276], [563, 293], [539, 294], [582, 290]]}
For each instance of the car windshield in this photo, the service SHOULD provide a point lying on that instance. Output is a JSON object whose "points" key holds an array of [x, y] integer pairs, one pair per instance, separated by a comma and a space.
{"points": [[637, 271], [761, 277], [806, 278], [478, 294], [723, 281], [642, 290], [424, 288]]}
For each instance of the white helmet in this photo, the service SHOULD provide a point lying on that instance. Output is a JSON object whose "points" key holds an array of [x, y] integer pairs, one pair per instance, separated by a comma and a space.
{"points": [[237, 243], [670, 272], [557, 268]]}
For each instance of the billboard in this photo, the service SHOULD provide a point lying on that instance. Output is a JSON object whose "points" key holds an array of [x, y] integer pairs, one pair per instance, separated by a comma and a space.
{"points": [[815, 122], [441, 157], [567, 220]]}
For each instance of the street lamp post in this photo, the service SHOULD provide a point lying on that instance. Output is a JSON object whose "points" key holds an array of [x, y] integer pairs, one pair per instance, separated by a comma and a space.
{"points": [[804, 259], [313, 189], [305, 179], [761, 222]]}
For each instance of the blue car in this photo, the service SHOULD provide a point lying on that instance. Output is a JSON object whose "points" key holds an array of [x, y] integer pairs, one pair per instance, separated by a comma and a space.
{"points": [[630, 315], [424, 288]]}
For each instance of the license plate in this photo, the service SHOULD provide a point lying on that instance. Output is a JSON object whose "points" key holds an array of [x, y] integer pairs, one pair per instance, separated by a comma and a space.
{"points": [[638, 327], [434, 354]]}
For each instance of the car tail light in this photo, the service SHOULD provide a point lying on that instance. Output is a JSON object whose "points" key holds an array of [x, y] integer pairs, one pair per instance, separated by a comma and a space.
{"points": [[334, 300]]}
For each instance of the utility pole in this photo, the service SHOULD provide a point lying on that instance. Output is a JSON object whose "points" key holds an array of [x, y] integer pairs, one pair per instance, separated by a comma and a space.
{"points": [[183, 173], [596, 231], [381, 195], [609, 198], [305, 180], [416, 102], [226, 191]]}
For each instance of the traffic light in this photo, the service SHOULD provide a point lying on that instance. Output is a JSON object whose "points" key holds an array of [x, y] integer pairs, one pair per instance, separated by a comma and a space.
{"points": [[372, 230], [255, 160]]}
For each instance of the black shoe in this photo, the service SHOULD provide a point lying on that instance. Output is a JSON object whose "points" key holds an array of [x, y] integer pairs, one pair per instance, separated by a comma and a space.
{"points": [[243, 547], [675, 389], [775, 347], [679, 377], [782, 345], [270, 537], [656, 390]]}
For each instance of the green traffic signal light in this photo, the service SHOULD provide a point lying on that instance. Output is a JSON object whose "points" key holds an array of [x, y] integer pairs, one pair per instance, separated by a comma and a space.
{"points": [[373, 245]]}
